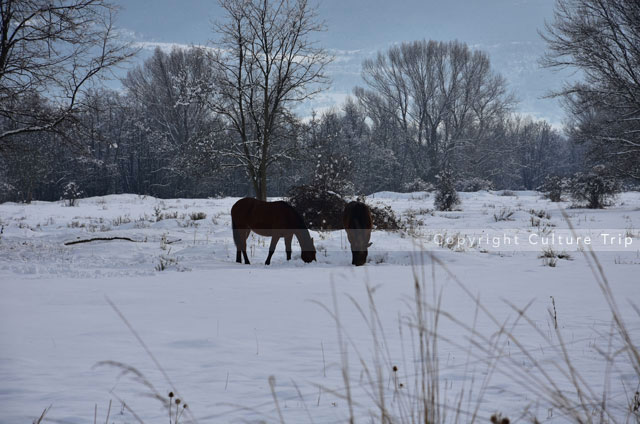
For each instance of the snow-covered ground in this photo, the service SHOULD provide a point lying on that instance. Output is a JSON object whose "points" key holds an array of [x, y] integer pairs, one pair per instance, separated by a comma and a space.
{"points": [[219, 329]]}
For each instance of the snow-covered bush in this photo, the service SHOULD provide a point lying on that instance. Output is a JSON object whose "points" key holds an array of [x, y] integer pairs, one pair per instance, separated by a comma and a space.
{"points": [[321, 209], [384, 218], [553, 187], [446, 198], [195, 216], [71, 194], [417, 185], [595, 188], [332, 173], [505, 214], [474, 184]]}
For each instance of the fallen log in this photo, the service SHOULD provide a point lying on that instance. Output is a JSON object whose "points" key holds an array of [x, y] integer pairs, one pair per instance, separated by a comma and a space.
{"points": [[99, 239]]}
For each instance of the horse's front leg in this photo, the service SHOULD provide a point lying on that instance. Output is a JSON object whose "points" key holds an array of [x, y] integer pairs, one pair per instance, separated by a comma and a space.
{"points": [[272, 248], [287, 245]]}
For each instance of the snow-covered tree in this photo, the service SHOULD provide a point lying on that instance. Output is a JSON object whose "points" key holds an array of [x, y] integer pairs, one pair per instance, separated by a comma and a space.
{"points": [[173, 90]]}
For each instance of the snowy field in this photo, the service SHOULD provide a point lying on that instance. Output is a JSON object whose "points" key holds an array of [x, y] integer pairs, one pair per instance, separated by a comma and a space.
{"points": [[219, 330]]}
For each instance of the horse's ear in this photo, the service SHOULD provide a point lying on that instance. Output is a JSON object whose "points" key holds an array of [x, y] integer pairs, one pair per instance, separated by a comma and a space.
{"points": [[369, 245]]}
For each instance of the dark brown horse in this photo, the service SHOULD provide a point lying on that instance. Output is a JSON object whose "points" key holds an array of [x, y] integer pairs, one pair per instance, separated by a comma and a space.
{"points": [[358, 224], [269, 219]]}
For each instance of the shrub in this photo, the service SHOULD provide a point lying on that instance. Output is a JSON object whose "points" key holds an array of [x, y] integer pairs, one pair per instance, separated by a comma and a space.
{"points": [[505, 214], [553, 187], [321, 209], [446, 198], [384, 218], [474, 184], [540, 213], [71, 194], [196, 216], [596, 189], [550, 257]]}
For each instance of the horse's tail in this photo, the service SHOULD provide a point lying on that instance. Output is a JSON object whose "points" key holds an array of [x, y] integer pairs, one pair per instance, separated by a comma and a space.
{"points": [[236, 234]]}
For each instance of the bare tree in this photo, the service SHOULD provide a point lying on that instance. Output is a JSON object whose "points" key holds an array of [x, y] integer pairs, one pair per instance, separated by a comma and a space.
{"points": [[601, 38], [53, 48], [441, 95], [265, 63]]}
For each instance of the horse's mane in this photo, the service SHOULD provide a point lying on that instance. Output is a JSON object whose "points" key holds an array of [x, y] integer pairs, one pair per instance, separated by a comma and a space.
{"points": [[299, 224]]}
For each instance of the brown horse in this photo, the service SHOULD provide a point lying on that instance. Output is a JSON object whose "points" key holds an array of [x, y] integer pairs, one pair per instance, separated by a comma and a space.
{"points": [[358, 224], [269, 219]]}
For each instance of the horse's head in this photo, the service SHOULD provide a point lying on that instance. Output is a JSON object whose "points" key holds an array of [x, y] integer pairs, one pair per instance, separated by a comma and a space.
{"points": [[359, 246], [309, 254]]}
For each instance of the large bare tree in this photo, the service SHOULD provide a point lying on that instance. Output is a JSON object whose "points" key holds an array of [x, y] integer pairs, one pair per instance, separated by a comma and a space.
{"points": [[601, 39], [441, 96], [53, 49], [265, 62]]}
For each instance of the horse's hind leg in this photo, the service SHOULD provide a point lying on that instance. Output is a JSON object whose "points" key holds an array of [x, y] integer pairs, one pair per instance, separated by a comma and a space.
{"points": [[272, 248], [287, 246], [242, 246], [240, 240]]}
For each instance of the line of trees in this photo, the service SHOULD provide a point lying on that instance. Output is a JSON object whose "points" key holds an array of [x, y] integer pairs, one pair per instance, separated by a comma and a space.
{"points": [[207, 121]]}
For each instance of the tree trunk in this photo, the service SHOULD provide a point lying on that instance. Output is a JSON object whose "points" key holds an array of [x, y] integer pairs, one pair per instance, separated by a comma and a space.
{"points": [[256, 187], [262, 183]]}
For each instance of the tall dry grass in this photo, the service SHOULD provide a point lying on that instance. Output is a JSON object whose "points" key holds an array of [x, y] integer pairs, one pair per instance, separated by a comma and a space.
{"points": [[558, 386]]}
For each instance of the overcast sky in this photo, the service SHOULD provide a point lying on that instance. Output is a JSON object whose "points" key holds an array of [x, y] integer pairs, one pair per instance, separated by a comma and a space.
{"points": [[356, 29]]}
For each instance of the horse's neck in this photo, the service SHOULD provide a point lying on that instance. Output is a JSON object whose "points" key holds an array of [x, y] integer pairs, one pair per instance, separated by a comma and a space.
{"points": [[303, 236]]}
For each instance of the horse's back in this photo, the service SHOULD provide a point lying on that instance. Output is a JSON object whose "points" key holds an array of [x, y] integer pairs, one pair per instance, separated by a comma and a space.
{"points": [[260, 215], [357, 216]]}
